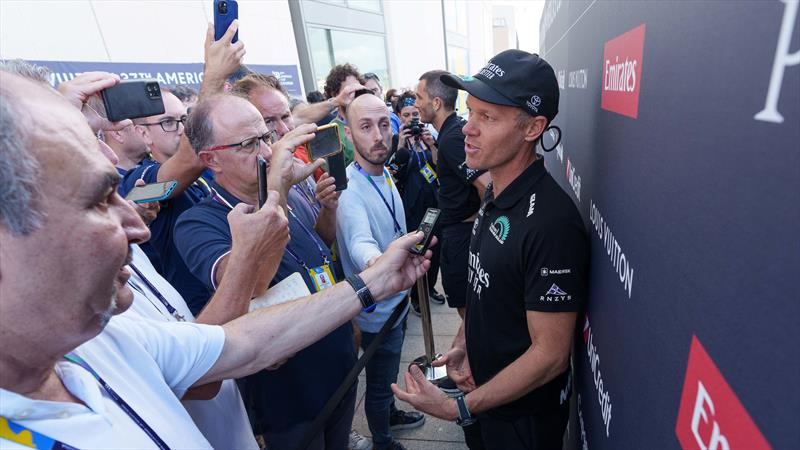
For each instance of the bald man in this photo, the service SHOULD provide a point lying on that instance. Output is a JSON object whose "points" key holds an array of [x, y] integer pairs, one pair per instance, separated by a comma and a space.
{"points": [[369, 218]]}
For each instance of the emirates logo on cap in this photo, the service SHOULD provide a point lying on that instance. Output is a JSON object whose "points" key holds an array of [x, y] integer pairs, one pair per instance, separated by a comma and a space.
{"points": [[534, 103]]}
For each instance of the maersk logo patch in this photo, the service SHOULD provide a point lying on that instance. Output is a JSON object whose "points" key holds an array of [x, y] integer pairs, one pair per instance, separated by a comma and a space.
{"points": [[555, 294], [500, 228]]}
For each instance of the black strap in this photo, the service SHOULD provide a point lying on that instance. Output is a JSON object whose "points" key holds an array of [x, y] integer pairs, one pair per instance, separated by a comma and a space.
{"points": [[341, 391]]}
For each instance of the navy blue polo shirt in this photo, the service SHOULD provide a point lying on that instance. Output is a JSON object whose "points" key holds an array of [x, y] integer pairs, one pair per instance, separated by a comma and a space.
{"points": [[169, 263], [298, 390]]}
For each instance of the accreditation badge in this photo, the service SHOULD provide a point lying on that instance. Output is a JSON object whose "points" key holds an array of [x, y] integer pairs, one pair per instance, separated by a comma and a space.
{"points": [[322, 277], [428, 172]]}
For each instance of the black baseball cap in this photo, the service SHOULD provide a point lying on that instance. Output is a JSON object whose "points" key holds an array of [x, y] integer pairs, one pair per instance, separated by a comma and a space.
{"points": [[513, 78]]}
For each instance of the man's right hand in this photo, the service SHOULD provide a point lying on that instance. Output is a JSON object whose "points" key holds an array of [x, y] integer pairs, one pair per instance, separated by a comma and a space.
{"points": [[458, 368], [222, 58], [403, 137], [283, 171], [262, 233]]}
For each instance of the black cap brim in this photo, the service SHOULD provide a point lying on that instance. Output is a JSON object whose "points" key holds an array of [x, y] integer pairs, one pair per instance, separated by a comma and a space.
{"points": [[477, 88]]}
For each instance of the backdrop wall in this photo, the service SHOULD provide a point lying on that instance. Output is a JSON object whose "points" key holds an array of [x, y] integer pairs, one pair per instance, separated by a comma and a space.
{"points": [[681, 148]]}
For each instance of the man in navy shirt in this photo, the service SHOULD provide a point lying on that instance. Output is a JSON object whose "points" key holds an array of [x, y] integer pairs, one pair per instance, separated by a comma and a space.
{"points": [[171, 159], [288, 398]]}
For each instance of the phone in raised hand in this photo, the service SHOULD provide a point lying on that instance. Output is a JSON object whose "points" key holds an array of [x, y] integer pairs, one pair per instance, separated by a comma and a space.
{"points": [[225, 12]]}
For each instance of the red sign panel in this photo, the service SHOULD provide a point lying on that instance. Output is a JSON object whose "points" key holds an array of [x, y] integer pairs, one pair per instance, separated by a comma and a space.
{"points": [[711, 417], [622, 72]]}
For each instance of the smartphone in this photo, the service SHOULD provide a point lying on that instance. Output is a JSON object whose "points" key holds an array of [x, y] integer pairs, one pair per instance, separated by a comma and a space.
{"points": [[131, 99], [152, 192], [426, 226], [225, 12], [262, 181], [326, 142], [337, 170]]}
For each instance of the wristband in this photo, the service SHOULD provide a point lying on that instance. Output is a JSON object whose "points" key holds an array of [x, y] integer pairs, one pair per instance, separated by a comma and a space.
{"points": [[363, 293], [465, 418]]}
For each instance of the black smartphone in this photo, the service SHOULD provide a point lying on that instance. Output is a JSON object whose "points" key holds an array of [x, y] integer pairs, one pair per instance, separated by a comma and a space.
{"points": [[262, 181], [131, 99], [426, 226], [337, 170], [326, 142], [152, 192], [225, 12]]}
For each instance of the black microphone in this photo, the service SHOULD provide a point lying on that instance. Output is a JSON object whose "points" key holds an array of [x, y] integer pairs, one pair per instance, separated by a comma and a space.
{"points": [[401, 156]]}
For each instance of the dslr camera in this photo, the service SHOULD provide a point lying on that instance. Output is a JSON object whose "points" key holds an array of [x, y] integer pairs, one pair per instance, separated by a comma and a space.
{"points": [[415, 127]]}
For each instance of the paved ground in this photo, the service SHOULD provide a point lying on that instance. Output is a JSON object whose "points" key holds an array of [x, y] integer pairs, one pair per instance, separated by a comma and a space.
{"points": [[435, 434]]}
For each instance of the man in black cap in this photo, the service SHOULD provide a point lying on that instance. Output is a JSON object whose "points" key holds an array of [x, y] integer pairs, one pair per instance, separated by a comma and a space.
{"points": [[527, 277]]}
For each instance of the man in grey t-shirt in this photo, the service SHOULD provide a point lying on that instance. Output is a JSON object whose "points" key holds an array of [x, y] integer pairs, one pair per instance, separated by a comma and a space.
{"points": [[370, 216]]}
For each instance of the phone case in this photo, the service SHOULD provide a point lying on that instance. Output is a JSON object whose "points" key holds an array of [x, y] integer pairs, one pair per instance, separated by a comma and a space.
{"points": [[131, 99], [321, 146], [223, 21]]}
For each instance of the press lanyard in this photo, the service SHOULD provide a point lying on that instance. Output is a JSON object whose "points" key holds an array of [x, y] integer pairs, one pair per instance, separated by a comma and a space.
{"points": [[397, 228], [310, 236], [170, 308], [38, 440], [424, 157], [120, 402]]}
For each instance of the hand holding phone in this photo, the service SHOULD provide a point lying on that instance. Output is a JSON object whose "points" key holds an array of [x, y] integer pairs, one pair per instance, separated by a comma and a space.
{"points": [[152, 192], [426, 226], [225, 12], [327, 141], [131, 99]]}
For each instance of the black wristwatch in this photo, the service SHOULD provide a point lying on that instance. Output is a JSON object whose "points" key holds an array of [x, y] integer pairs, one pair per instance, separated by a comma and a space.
{"points": [[465, 418], [362, 292]]}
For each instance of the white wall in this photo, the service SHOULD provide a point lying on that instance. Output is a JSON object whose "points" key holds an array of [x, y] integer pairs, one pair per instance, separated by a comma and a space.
{"points": [[415, 40], [138, 31]]}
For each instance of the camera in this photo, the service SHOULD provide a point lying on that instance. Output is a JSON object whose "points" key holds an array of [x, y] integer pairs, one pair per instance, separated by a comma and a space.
{"points": [[222, 7], [415, 127]]}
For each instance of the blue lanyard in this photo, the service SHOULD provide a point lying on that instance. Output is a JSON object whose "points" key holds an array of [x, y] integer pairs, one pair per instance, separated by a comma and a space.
{"points": [[170, 309], [311, 236], [120, 402], [40, 441], [388, 178], [416, 153]]}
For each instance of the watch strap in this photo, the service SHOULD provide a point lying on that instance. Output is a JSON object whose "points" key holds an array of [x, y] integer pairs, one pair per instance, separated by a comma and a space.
{"points": [[363, 293], [465, 418]]}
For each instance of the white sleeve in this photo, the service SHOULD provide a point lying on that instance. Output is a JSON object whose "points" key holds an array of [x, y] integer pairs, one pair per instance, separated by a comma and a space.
{"points": [[353, 230], [183, 351]]}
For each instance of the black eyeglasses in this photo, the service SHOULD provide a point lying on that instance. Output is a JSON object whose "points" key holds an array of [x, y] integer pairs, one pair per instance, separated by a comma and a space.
{"points": [[249, 146], [168, 125]]}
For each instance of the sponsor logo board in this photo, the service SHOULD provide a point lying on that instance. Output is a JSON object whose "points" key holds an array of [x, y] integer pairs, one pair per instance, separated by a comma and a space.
{"points": [[622, 72]]}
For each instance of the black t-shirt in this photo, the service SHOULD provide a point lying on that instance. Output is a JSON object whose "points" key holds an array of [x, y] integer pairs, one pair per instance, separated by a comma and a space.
{"points": [[458, 198], [529, 252]]}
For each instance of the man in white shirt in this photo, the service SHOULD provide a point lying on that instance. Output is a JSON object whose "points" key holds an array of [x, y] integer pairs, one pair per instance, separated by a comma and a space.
{"points": [[65, 233]]}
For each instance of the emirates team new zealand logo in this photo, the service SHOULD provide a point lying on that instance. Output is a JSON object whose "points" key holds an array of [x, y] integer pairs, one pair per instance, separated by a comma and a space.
{"points": [[500, 228]]}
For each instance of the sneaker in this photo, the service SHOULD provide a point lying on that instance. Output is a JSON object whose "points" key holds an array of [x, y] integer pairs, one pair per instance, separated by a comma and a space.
{"points": [[415, 309], [359, 442], [401, 420], [437, 298], [449, 387], [395, 445]]}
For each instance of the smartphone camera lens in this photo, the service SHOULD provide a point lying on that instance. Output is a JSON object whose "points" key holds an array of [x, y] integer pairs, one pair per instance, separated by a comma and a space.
{"points": [[223, 7], [153, 91]]}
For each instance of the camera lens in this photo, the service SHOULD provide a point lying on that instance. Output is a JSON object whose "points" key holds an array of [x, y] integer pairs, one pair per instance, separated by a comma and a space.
{"points": [[223, 7]]}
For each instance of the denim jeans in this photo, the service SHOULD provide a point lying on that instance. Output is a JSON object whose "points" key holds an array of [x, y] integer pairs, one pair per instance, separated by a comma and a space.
{"points": [[381, 373]]}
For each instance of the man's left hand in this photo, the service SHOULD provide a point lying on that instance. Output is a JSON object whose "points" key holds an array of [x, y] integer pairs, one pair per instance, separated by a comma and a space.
{"points": [[326, 192], [424, 396], [147, 211], [88, 85]]}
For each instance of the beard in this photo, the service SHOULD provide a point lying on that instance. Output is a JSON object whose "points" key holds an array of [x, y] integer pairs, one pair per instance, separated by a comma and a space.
{"points": [[377, 155], [111, 310]]}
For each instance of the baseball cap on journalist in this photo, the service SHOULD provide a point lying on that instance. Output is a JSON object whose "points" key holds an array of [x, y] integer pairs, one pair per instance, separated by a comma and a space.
{"points": [[513, 78]]}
